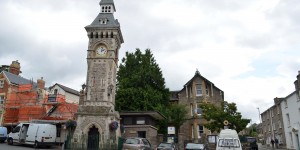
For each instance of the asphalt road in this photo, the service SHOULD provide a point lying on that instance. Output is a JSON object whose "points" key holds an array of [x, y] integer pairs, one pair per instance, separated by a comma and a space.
{"points": [[4, 146]]}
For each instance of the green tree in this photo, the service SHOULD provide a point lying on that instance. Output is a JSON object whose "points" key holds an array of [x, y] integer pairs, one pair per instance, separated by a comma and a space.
{"points": [[176, 115], [140, 83], [216, 115]]}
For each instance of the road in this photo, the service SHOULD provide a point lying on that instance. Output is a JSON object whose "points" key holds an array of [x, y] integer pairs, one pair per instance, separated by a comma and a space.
{"points": [[4, 146]]}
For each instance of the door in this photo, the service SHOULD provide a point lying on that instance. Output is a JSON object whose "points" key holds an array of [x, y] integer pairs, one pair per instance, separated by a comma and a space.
{"points": [[297, 139], [142, 134], [93, 139]]}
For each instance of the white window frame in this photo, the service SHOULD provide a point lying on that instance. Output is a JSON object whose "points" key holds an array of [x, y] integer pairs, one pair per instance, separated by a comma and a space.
{"points": [[288, 120], [291, 136], [198, 90], [206, 90], [200, 131], [285, 103], [1, 99]]}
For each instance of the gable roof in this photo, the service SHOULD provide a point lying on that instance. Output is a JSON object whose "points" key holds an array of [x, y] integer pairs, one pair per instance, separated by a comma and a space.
{"points": [[197, 74], [67, 89], [16, 79]]}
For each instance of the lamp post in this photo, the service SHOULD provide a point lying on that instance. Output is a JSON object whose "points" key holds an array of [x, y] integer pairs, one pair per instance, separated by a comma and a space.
{"points": [[259, 115], [260, 122]]}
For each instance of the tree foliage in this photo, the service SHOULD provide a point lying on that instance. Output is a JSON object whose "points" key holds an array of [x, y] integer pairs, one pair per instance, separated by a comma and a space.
{"points": [[140, 83], [176, 115], [216, 115]]}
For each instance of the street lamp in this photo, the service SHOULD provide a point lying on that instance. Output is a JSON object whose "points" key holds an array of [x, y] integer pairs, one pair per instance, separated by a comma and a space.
{"points": [[261, 126], [259, 115]]}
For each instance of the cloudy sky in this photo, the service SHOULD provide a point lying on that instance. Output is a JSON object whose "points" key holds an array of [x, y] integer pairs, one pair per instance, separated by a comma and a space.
{"points": [[250, 49]]}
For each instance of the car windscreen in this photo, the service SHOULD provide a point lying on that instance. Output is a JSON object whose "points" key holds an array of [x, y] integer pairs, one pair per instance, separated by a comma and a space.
{"points": [[132, 141], [229, 142], [165, 145]]}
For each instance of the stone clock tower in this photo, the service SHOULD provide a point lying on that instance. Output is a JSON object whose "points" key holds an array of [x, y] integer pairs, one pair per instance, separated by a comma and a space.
{"points": [[96, 115]]}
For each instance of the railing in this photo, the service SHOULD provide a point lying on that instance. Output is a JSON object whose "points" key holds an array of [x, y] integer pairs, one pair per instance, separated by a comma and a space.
{"points": [[51, 98]]}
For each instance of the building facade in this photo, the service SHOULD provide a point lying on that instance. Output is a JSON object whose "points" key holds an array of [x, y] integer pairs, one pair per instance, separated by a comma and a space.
{"points": [[196, 91], [141, 124], [16, 91], [71, 95], [290, 107], [272, 124], [96, 115]]}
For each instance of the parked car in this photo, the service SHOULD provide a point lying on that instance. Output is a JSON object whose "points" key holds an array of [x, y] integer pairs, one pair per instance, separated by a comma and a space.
{"points": [[251, 143], [136, 143], [228, 140], [167, 146], [3, 134], [195, 146]]}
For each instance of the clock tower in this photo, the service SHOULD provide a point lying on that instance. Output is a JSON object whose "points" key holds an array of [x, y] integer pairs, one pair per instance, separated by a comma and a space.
{"points": [[96, 115]]}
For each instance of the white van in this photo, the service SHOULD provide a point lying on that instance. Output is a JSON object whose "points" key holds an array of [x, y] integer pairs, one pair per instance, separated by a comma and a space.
{"points": [[33, 134], [228, 140], [3, 134]]}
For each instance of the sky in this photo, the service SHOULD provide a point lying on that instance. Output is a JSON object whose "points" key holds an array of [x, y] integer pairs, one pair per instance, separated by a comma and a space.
{"points": [[249, 49]]}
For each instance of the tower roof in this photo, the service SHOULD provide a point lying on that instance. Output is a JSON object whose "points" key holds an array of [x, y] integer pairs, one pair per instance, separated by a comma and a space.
{"points": [[105, 18], [107, 2], [111, 22]]}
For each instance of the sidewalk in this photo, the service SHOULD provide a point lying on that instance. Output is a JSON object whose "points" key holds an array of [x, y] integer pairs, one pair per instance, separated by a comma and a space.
{"points": [[260, 146]]}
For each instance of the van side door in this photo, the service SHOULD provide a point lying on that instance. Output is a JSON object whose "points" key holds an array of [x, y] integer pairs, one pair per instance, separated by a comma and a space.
{"points": [[32, 133]]}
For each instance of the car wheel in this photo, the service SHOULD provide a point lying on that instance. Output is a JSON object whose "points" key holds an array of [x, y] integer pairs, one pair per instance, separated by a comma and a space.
{"points": [[35, 145], [10, 141]]}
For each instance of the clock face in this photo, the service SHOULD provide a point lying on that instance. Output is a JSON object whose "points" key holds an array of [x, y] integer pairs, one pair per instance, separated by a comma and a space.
{"points": [[101, 50]]}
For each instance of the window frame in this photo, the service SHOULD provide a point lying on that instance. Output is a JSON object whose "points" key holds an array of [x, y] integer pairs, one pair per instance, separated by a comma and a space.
{"points": [[1, 83], [2, 99], [198, 88]]}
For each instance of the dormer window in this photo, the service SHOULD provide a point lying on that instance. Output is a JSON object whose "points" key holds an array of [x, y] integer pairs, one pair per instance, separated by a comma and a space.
{"points": [[103, 21], [106, 9]]}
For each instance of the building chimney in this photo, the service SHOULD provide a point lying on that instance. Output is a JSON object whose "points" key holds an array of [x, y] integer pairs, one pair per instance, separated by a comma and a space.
{"points": [[297, 82], [41, 83], [15, 67], [278, 100]]}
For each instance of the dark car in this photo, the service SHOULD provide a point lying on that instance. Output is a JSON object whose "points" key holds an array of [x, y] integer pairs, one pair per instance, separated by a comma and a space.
{"points": [[136, 143], [195, 146], [167, 146], [251, 143]]}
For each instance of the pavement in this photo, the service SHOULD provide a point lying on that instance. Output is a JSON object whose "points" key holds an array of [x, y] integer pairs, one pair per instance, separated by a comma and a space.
{"points": [[267, 147]]}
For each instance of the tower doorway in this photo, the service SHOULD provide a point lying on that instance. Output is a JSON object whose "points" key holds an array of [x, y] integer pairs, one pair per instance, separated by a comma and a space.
{"points": [[93, 139]]}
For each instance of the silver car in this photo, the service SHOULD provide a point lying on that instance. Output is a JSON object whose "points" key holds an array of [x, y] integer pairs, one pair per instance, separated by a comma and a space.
{"points": [[136, 143]]}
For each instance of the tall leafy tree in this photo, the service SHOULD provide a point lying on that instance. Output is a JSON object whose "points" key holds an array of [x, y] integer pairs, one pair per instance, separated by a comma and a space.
{"points": [[176, 115], [140, 83], [217, 115]]}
